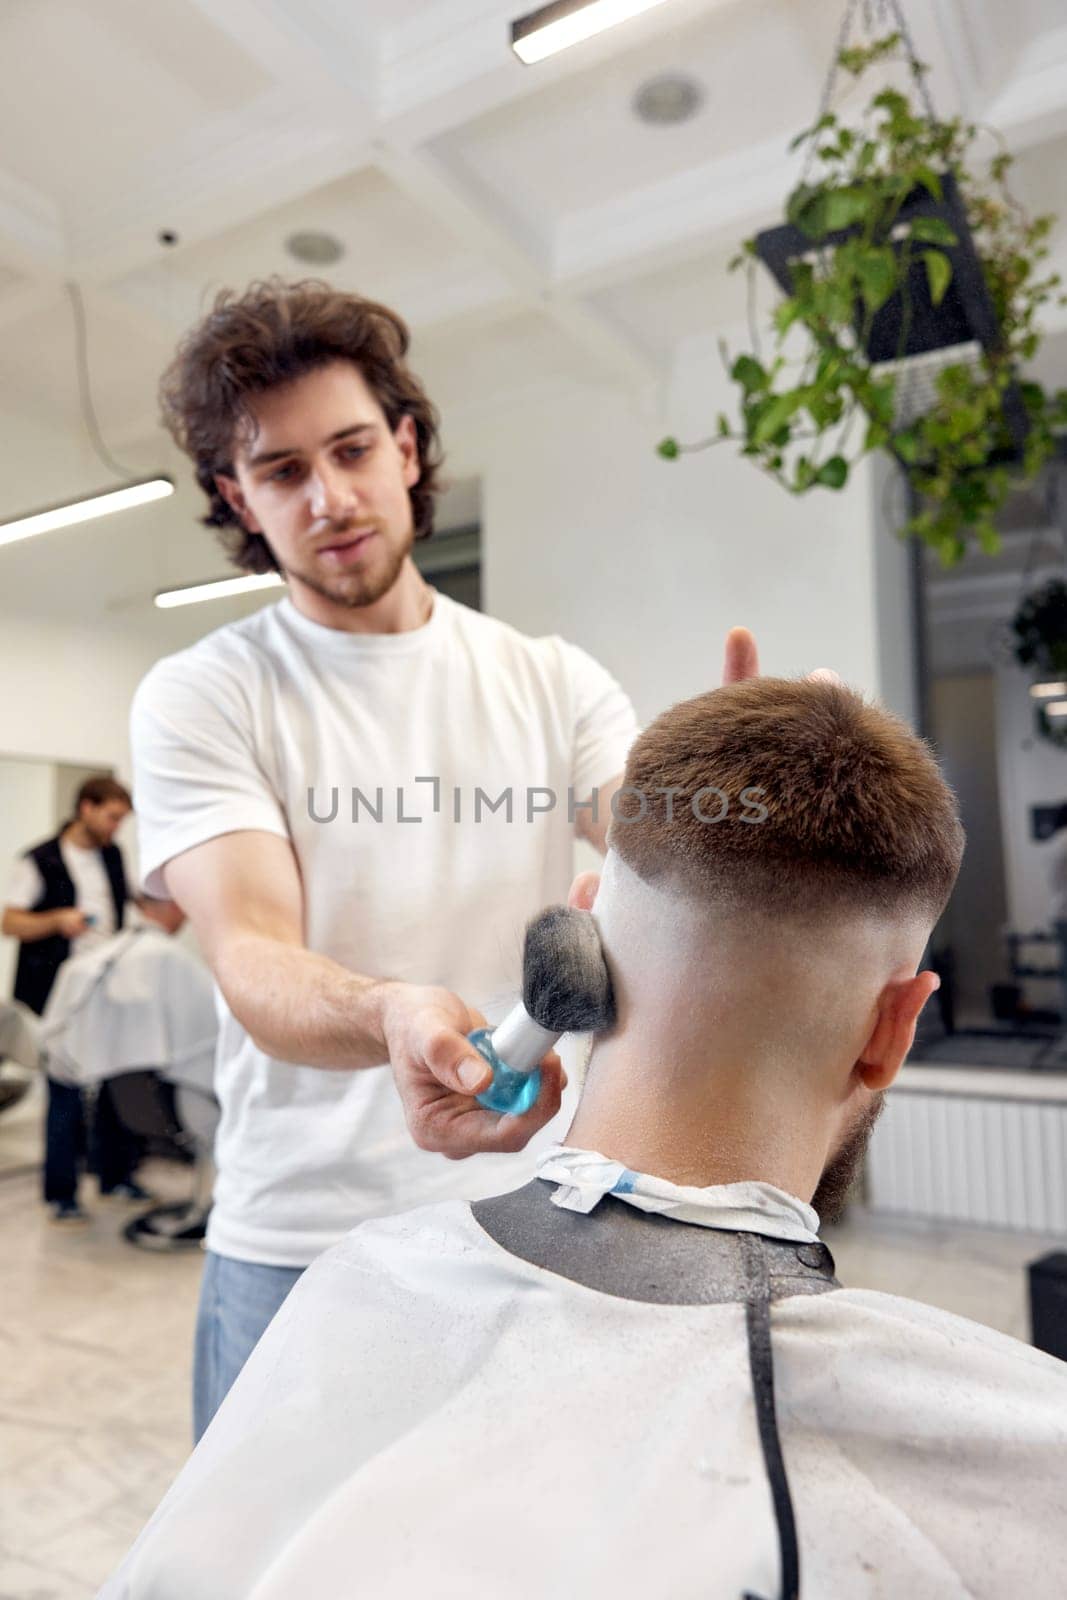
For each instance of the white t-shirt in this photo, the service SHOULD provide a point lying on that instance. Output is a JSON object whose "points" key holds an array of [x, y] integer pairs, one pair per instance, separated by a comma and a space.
{"points": [[431, 1415], [92, 891], [271, 723]]}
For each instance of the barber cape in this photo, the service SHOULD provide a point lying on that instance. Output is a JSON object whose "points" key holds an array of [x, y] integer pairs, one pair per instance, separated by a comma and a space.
{"points": [[433, 1413], [137, 1000]]}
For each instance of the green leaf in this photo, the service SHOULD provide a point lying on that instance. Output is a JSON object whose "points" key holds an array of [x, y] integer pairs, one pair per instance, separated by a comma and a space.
{"points": [[778, 412], [877, 272], [830, 210], [747, 371], [669, 449], [881, 400], [930, 181], [786, 314], [893, 101], [845, 206], [932, 230], [833, 300], [827, 120], [824, 405], [804, 474], [938, 274], [876, 436], [833, 474], [907, 446]]}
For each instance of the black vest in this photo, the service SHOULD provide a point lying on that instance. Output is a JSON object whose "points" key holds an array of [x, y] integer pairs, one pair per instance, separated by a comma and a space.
{"points": [[40, 959]]}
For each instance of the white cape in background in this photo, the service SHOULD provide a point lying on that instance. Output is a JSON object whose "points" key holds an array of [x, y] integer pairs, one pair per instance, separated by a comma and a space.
{"points": [[137, 1000]]}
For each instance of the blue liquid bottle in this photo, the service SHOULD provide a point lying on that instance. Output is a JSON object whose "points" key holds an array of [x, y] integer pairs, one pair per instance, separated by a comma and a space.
{"points": [[510, 1092]]}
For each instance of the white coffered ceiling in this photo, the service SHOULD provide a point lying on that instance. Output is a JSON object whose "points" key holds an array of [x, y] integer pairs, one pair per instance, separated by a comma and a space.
{"points": [[526, 223]]}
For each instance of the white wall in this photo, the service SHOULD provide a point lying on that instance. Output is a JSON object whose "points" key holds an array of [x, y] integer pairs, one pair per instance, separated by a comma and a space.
{"points": [[66, 692], [647, 563]]}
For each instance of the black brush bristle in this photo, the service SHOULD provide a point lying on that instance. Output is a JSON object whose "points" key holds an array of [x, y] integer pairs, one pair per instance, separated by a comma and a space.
{"points": [[566, 985]]}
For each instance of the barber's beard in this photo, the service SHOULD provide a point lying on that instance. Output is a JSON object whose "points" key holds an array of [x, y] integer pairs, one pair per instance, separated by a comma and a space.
{"points": [[839, 1174], [358, 589]]}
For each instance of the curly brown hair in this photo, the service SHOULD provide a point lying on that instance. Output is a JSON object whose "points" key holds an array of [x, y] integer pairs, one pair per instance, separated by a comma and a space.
{"points": [[271, 334]]}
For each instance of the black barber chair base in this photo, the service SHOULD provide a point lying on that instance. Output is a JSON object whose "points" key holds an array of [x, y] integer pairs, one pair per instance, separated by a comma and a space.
{"points": [[149, 1107], [169, 1228]]}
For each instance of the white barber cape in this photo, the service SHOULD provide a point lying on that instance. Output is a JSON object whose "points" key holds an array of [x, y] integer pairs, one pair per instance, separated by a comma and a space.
{"points": [[430, 1416], [138, 999]]}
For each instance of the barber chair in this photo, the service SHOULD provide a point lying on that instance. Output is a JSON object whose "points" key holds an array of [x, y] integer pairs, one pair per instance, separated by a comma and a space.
{"points": [[178, 1107], [18, 1045]]}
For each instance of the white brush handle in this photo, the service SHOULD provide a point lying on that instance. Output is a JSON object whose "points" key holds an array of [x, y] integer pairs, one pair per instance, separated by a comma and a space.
{"points": [[522, 1042]]}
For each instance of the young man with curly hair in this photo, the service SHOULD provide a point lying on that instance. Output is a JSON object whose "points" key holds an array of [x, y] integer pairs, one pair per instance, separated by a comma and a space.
{"points": [[319, 787]]}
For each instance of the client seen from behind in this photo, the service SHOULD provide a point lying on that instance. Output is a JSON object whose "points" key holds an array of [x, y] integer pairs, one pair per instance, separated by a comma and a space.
{"points": [[639, 1373]]}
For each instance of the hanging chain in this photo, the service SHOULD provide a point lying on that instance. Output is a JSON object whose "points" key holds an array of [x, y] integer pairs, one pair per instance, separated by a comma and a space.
{"points": [[873, 10], [913, 60]]}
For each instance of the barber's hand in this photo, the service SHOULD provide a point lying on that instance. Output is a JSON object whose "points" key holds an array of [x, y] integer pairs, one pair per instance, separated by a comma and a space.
{"points": [[742, 660], [438, 1072], [70, 922]]}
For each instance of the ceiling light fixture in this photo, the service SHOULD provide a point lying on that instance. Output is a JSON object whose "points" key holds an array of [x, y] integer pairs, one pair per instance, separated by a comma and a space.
{"points": [[84, 510], [565, 22], [220, 589], [1046, 691]]}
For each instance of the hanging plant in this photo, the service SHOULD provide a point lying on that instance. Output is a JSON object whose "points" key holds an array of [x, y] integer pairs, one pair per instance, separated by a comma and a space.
{"points": [[1039, 627], [913, 286]]}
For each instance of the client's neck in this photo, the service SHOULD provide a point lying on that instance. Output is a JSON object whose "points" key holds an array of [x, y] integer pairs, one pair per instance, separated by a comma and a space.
{"points": [[713, 1112]]}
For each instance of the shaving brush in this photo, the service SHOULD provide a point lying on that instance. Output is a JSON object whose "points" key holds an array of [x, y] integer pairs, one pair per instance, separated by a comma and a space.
{"points": [[566, 988]]}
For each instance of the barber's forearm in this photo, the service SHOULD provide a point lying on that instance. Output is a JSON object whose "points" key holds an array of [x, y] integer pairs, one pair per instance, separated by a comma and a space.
{"points": [[29, 926], [301, 1007]]}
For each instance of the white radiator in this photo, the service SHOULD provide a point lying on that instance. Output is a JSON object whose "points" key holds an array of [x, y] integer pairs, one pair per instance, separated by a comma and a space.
{"points": [[972, 1146]]}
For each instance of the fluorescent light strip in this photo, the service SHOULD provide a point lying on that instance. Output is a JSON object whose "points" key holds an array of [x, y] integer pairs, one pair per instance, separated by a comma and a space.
{"points": [[221, 589], [95, 505], [1042, 691], [1055, 708], [556, 27]]}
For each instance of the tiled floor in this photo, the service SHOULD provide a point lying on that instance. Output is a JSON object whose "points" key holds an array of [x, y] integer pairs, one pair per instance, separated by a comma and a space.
{"points": [[95, 1341], [95, 1344]]}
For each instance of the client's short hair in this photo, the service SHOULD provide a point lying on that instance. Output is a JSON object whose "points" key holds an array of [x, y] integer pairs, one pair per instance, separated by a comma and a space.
{"points": [[792, 796]]}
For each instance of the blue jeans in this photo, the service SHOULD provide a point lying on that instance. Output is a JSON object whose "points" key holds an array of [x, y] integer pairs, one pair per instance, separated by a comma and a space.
{"points": [[237, 1300]]}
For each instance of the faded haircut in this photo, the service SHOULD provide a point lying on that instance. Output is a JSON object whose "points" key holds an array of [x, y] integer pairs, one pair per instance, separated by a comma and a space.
{"points": [[829, 803]]}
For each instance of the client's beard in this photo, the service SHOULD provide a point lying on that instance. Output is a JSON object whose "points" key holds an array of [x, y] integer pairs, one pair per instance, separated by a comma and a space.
{"points": [[840, 1171]]}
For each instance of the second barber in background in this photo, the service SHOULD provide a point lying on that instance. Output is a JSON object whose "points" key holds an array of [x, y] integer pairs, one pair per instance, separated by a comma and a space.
{"points": [[65, 895]]}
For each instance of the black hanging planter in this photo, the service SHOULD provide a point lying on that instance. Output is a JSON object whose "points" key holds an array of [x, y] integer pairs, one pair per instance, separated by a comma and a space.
{"points": [[910, 324], [916, 312]]}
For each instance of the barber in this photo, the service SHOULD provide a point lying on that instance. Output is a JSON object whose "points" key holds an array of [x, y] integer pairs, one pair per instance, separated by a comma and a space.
{"points": [[68, 894], [307, 783]]}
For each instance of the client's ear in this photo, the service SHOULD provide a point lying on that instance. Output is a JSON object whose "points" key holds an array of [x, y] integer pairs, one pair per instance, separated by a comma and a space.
{"points": [[899, 1006], [583, 891]]}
